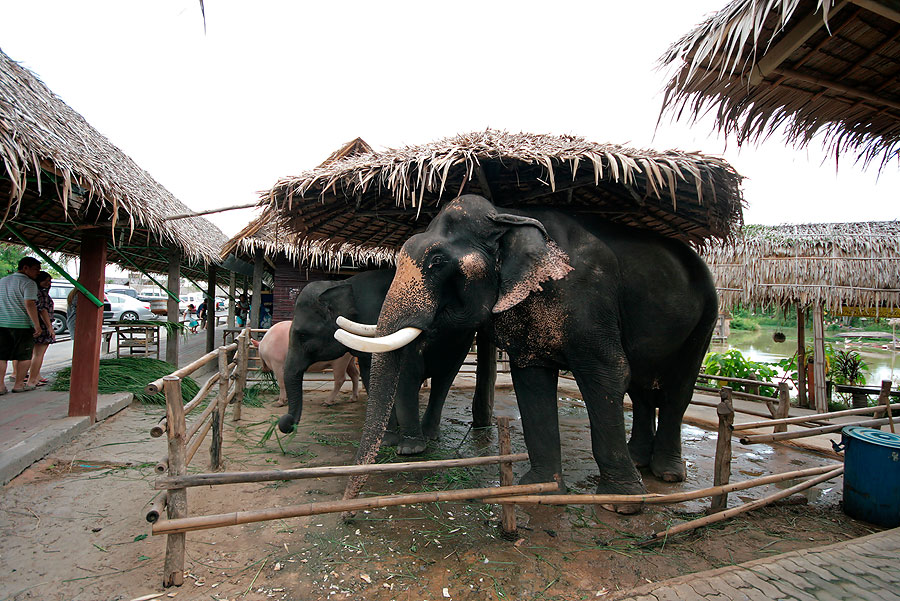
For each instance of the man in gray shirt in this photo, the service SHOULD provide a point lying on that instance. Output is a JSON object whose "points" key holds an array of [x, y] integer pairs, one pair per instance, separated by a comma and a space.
{"points": [[19, 322]]}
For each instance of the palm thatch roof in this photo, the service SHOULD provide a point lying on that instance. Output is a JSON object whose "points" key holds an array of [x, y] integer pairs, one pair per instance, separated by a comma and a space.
{"points": [[264, 233], [818, 68], [60, 175], [837, 264], [370, 203]]}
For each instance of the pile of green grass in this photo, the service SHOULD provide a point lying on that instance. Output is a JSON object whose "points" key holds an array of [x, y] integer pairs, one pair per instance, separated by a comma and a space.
{"points": [[132, 374]]}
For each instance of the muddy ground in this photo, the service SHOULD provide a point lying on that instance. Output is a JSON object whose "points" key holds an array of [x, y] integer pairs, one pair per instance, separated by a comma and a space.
{"points": [[72, 527]]}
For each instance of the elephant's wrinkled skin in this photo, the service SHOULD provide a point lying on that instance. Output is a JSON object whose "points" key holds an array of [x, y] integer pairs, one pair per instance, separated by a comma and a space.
{"points": [[360, 298], [624, 310]]}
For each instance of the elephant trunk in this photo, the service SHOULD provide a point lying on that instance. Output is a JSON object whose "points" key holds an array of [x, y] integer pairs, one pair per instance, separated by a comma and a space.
{"points": [[383, 385], [295, 365]]}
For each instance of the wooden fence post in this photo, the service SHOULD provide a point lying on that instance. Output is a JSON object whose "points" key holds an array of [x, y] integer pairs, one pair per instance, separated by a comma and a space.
{"points": [[243, 350], [725, 410], [507, 512], [176, 507], [884, 398], [218, 415], [782, 407]]}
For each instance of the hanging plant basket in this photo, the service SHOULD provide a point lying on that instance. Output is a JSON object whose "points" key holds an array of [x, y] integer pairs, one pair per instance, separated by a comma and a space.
{"points": [[778, 337]]}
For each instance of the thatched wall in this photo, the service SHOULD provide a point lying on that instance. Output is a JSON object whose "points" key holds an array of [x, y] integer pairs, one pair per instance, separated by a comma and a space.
{"points": [[837, 264]]}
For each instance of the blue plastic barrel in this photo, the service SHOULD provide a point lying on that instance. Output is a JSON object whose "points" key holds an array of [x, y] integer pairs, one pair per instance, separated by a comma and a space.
{"points": [[871, 475]]}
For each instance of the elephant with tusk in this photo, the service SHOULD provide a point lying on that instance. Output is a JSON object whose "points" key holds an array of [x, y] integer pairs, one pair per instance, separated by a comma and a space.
{"points": [[624, 310], [314, 337]]}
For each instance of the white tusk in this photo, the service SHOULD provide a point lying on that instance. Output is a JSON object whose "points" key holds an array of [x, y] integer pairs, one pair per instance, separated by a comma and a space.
{"points": [[360, 329], [377, 344]]}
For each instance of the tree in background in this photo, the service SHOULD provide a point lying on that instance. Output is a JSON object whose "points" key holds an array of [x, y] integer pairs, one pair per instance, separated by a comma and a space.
{"points": [[10, 255]]}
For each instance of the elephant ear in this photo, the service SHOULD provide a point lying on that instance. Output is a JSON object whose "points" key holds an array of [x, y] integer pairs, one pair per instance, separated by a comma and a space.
{"points": [[339, 300], [528, 257]]}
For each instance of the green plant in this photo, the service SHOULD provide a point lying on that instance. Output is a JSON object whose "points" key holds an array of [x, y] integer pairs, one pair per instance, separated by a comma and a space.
{"points": [[744, 323], [733, 364], [848, 367]]}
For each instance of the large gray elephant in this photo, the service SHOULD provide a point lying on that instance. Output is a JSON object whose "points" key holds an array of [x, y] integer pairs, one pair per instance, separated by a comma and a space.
{"points": [[360, 297], [625, 310]]}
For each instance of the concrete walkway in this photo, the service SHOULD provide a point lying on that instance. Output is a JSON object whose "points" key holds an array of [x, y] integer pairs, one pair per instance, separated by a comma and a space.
{"points": [[34, 424], [862, 568]]}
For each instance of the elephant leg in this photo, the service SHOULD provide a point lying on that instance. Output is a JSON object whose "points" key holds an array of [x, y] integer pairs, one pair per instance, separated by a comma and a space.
{"points": [[666, 462], [431, 421], [603, 389], [406, 406], [643, 427], [338, 371], [392, 433], [536, 396], [353, 373]]}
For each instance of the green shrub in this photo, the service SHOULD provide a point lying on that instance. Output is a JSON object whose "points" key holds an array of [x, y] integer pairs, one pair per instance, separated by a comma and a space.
{"points": [[733, 364], [744, 323]]}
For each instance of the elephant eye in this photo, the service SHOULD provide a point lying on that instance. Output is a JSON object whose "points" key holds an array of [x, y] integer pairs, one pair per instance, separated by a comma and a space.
{"points": [[437, 262]]}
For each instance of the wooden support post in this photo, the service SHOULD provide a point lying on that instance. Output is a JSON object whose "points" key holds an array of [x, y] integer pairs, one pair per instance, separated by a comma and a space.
{"points": [[752, 388], [241, 380], [259, 263], [88, 323], [784, 406], [218, 415], [725, 410], [802, 399], [176, 506], [819, 359], [232, 295], [485, 380], [884, 398], [172, 313], [507, 512], [211, 308]]}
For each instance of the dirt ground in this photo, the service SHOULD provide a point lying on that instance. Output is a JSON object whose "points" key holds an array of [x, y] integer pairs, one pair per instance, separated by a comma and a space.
{"points": [[73, 527]]}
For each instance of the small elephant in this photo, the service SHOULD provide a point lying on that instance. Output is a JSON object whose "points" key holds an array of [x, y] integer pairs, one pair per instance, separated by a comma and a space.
{"points": [[360, 297], [625, 310], [273, 350]]}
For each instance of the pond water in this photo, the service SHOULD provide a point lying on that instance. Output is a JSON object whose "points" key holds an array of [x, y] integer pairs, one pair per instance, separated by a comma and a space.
{"points": [[759, 346]]}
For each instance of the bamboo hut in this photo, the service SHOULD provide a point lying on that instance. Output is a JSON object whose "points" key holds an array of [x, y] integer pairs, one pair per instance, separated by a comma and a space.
{"points": [[823, 69], [841, 268], [365, 206], [64, 187]]}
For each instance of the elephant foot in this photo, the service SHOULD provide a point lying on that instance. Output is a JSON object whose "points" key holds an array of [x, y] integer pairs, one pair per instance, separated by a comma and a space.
{"points": [[640, 453], [329, 402], [411, 446], [607, 487], [534, 476], [431, 433], [391, 438], [668, 469], [280, 403]]}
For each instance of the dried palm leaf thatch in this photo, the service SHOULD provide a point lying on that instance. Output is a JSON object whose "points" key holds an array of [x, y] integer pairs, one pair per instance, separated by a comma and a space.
{"points": [[836, 264], [816, 68], [44, 144], [376, 200]]}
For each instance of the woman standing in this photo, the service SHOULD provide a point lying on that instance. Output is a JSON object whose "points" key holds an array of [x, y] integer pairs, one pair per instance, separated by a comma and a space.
{"points": [[48, 336]]}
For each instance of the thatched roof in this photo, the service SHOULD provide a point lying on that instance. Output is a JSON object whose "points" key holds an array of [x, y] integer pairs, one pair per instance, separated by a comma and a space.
{"points": [[265, 233], [820, 68], [373, 202], [849, 264], [61, 175]]}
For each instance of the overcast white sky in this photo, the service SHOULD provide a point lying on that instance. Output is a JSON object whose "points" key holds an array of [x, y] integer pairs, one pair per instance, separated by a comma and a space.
{"points": [[273, 88]]}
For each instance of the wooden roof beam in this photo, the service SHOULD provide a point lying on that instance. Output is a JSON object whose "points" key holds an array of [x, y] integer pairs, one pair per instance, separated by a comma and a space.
{"points": [[879, 9], [789, 43], [838, 87]]}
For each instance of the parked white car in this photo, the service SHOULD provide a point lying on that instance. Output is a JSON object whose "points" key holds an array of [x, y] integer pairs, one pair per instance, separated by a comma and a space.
{"points": [[127, 308]]}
